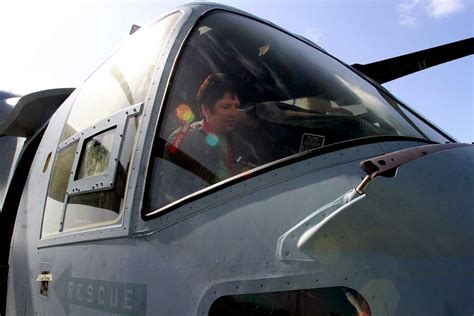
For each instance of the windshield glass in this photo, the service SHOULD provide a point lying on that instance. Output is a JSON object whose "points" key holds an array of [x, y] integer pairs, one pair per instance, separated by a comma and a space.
{"points": [[245, 94]]}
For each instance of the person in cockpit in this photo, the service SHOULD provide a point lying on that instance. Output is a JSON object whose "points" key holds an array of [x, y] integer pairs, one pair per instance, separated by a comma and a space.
{"points": [[209, 149]]}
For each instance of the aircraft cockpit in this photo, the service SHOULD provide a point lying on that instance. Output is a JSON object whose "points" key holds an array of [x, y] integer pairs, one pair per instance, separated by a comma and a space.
{"points": [[294, 99]]}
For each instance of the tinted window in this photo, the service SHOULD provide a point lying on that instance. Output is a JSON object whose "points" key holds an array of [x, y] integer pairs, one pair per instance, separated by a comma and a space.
{"points": [[339, 301], [424, 127], [118, 85], [285, 97]]}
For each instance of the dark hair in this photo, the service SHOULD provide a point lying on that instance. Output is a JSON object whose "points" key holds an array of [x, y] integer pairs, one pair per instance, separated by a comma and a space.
{"points": [[213, 88]]}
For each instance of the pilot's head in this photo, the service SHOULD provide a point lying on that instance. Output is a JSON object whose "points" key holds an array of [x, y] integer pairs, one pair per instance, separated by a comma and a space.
{"points": [[219, 101]]}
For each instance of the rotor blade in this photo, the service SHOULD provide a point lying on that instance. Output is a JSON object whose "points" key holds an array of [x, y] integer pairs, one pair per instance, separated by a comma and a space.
{"points": [[396, 67]]}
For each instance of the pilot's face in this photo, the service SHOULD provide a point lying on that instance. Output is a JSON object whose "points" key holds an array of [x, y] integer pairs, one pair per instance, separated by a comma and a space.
{"points": [[223, 116]]}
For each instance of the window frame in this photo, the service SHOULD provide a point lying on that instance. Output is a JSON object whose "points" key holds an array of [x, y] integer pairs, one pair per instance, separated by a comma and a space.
{"points": [[117, 121], [273, 285]]}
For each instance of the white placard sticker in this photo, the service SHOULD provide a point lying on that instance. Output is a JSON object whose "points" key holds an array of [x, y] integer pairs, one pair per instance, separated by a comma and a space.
{"points": [[311, 141]]}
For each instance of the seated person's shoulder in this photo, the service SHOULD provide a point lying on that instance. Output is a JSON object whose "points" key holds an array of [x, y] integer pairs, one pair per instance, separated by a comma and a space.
{"points": [[186, 138], [184, 130]]}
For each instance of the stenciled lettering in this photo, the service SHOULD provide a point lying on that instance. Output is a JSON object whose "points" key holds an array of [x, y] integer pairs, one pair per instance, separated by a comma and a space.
{"points": [[114, 297], [79, 292], [90, 288], [101, 295], [128, 298], [114, 292]]}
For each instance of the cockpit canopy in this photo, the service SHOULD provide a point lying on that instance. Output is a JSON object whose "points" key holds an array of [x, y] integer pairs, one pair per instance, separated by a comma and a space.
{"points": [[294, 99]]}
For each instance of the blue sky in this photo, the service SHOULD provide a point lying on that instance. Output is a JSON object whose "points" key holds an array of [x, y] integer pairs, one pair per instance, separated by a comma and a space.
{"points": [[56, 44]]}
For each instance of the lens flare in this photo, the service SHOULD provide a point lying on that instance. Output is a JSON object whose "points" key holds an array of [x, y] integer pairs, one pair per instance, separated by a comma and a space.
{"points": [[212, 140], [184, 113]]}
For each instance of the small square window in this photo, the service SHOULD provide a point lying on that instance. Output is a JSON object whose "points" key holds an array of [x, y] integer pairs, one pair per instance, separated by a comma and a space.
{"points": [[96, 155]]}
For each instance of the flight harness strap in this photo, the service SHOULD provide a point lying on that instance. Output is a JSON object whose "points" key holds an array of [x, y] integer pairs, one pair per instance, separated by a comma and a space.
{"points": [[179, 138]]}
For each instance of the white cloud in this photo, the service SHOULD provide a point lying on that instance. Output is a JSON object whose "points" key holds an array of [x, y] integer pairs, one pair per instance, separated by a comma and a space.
{"points": [[408, 12], [314, 34], [412, 11], [408, 20], [440, 8]]}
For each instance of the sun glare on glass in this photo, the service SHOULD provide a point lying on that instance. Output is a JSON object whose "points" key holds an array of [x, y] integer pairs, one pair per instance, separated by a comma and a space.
{"points": [[184, 113]]}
